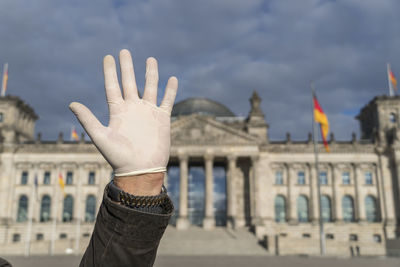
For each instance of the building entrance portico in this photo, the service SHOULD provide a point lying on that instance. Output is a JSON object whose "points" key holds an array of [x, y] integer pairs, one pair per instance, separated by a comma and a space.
{"points": [[202, 193]]}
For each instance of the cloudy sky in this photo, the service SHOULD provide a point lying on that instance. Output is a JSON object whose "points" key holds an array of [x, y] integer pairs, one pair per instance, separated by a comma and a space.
{"points": [[222, 50]]}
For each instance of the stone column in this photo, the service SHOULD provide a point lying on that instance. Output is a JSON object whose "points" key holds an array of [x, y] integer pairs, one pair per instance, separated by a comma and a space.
{"points": [[256, 220], [292, 198], [359, 203], [8, 182], [337, 200], [209, 220], [79, 202], [385, 169], [182, 221], [314, 207], [230, 191], [57, 196], [288, 193], [379, 190]]}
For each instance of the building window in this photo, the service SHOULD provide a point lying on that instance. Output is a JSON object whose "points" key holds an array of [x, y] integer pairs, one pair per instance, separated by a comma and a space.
{"points": [[302, 209], [330, 236], [16, 238], [86, 235], [353, 237], [24, 177], [280, 209], [301, 178], [307, 235], [90, 208], [371, 209], [46, 178], [68, 208], [69, 178], [377, 238], [348, 209], [91, 179], [323, 178], [392, 117], [368, 178], [45, 209], [326, 208], [39, 236], [278, 177], [346, 178], [1, 117], [22, 214], [63, 236]]}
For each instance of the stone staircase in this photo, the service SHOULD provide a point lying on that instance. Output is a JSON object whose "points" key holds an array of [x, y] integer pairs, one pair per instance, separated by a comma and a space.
{"points": [[220, 241]]}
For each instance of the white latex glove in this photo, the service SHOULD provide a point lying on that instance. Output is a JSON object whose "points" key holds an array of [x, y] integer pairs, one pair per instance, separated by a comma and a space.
{"points": [[137, 139]]}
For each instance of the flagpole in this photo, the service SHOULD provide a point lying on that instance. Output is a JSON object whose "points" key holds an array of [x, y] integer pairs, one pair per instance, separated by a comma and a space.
{"points": [[29, 231], [321, 221], [4, 81], [391, 92]]}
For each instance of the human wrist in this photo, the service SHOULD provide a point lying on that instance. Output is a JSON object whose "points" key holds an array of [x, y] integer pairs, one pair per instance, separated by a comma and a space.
{"points": [[148, 184]]}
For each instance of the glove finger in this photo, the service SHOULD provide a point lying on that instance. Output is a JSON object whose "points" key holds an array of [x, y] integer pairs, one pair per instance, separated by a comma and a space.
{"points": [[89, 122], [113, 92], [150, 88], [128, 75], [170, 94]]}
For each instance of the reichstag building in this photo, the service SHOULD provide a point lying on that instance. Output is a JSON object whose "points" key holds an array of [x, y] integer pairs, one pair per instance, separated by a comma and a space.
{"points": [[223, 172]]}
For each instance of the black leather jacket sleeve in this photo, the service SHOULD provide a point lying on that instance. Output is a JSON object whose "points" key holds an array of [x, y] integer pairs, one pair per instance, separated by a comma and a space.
{"points": [[123, 236]]}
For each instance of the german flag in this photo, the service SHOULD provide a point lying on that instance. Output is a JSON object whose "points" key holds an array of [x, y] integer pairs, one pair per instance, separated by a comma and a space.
{"points": [[321, 118], [61, 182], [74, 134], [393, 80], [5, 79]]}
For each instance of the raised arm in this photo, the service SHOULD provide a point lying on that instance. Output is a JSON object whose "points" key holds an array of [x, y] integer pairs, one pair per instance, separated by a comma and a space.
{"points": [[136, 144]]}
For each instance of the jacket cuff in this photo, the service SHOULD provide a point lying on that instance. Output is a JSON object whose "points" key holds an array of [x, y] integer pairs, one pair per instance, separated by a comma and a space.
{"points": [[135, 223]]}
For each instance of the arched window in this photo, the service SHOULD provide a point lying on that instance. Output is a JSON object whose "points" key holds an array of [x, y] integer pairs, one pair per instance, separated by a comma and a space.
{"points": [[326, 209], [348, 209], [280, 209], [22, 215], [45, 208], [371, 209], [90, 208], [68, 208], [302, 209]]}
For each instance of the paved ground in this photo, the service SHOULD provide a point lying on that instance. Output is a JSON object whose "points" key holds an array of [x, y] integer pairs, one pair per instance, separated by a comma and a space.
{"points": [[221, 261]]}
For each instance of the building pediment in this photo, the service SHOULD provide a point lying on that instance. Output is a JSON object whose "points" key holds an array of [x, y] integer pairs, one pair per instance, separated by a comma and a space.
{"points": [[205, 130]]}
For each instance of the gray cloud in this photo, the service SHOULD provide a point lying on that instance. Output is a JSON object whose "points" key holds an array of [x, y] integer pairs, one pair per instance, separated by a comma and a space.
{"points": [[219, 49]]}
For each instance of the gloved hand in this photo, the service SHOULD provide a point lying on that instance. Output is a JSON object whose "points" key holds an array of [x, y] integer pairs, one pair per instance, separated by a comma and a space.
{"points": [[137, 139]]}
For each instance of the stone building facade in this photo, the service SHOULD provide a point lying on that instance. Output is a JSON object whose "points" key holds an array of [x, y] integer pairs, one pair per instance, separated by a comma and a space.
{"points": [[245, 181]]}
